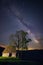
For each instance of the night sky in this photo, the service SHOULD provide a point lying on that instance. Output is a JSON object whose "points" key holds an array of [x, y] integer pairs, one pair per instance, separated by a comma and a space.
{"points": [[24, 15]]}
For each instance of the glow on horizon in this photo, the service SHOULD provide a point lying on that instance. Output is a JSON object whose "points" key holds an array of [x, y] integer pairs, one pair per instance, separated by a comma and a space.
{"points": [[31, 48]]}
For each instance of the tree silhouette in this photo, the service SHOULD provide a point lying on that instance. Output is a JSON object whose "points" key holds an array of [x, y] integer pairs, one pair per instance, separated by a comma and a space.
{"points": [[19, 40]]}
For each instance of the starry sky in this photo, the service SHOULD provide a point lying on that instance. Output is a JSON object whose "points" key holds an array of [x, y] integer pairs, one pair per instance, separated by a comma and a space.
{"points": [[24, 15]]}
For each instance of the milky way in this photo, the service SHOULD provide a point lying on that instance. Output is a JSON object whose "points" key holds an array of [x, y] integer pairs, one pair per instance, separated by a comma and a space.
{"points": [[16, 15]]}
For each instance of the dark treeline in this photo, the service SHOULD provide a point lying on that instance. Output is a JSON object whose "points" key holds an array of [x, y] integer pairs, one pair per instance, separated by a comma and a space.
{"points": [[36, 55]]}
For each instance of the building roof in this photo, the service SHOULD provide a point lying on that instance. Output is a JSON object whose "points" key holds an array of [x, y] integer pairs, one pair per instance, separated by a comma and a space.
{"points": [[2, 44], [9, 49]]}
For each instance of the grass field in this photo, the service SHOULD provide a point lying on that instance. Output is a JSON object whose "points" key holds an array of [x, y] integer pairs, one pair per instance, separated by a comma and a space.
{"points": [[16, 61], [9, 59]]}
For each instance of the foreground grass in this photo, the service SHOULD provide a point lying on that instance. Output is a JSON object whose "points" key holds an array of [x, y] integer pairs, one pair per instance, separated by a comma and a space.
{"points": [[16, 61], [9, 59]]}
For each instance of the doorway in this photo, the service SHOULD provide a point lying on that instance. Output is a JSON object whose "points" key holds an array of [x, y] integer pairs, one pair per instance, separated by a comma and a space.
{"points": [[10, 54]]}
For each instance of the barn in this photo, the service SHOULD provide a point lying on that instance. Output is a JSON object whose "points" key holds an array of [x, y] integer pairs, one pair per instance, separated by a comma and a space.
{"points": [[9, 51]]}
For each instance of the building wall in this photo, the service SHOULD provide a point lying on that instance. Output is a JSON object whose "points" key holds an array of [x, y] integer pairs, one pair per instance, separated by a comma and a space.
{"points": [[5, 54], [13, 54]]}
